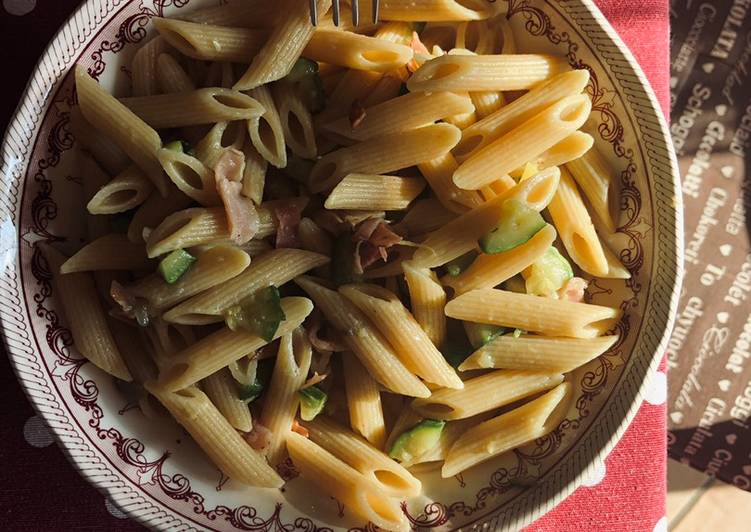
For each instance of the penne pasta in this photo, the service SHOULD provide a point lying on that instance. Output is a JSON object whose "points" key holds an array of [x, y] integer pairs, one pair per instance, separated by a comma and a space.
{"points": [[593, 176], [273, 268], [575, 228], [171, 77], [254, 174], [616, 269], [355, 86], [281, 401], [537, 353], [439, 174], [190, 176], [126, 191], [284, 45], [218, 439], [487, 392], [296, 121], [266, 132], [414, 110], [461, 234], [136, 138], [384, 154], [220, 138], [364, 340], [374, 192], [109, 252], [201, 106], [509, 117], [219, 349], [223, 391], [358, 52], [188, 228], [93, 179], [487, 271], [428, 301], [210, 42], [454, 72], [411, 343], [212, 267], [504, 432], [351, 488], [486, 102], [144, 69], [523, 143], [392, 479], [85, 317], [576, 145], [102, 148], [551, 317], [363, 401]]}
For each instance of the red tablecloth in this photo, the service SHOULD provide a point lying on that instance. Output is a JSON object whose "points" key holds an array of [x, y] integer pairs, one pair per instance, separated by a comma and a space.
{"points": [[39, 490]]}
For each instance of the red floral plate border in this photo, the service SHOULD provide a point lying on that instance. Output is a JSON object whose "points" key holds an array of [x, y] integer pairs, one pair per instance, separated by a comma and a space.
{"points": [[90, 417]]}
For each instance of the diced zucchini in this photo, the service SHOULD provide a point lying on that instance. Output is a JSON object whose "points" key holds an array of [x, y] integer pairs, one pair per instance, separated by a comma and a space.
{"points": [[480, 334], [459, 264], [260, 314], [313, 93], [181, 146], [417, 441], [517, 223], [302, 68], [251, 392], [174, 265], [518, 332], [312, 401], [455, 352], [343, 261], [548, 274]]}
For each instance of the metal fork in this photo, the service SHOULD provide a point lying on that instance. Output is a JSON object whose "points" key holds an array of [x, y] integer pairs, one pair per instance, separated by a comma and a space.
{"points": [[336, 13]]}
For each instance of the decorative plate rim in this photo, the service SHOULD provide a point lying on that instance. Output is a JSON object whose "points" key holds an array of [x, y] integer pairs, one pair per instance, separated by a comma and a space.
{"points": [[46, 78]]}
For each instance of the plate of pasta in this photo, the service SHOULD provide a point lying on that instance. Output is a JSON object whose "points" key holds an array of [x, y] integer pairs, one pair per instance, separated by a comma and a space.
{"points": [[265, 275]]}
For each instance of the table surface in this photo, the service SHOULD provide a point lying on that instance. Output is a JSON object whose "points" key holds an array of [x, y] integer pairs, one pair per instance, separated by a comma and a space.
{"points": [[39, 490]]}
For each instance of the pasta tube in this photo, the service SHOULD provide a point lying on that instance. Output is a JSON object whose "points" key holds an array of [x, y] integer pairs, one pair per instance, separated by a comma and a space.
{"points": [[504, 432], [384, 154], [552, 317], [364, 340], [374, 192], [413, 346], [485, 72], [218, 439], [363, 401], [219, 349], [110, 117], [523, 143], [537, 353], [201, 106]]}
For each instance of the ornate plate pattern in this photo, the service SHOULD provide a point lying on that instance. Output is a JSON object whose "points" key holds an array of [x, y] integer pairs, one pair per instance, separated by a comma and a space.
{"points": [[156, 474]]}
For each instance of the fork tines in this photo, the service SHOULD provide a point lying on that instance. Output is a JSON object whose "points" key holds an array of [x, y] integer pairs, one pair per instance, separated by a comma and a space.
{"points": [[337, 12]]}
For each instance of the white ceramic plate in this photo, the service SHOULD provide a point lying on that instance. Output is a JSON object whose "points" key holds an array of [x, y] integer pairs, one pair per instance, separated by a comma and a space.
{"points": [[155, 473]]}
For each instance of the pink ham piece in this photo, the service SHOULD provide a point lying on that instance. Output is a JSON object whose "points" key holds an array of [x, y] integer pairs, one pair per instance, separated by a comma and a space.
{"points": [[259, 438], [373, 238], [288, 215], [242, 216], [573, 290]]}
